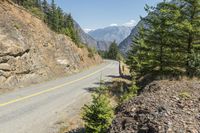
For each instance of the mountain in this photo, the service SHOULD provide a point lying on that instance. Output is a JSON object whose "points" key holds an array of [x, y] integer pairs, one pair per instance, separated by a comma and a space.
{"points": [[84, 37], [31, 53], [124, 46], [111, 33]]}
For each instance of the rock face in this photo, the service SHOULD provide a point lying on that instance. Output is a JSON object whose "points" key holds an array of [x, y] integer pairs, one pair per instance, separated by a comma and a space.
{"points": [[162, 107], [31, 53], [103, 46]]}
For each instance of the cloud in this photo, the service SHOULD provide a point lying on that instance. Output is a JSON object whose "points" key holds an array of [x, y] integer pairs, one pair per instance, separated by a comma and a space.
{"points": [[88, 30], [130, 23], [113, 24]]}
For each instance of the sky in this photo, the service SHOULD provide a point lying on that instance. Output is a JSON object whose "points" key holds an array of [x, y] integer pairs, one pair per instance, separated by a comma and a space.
{"points": [[95, 14]]}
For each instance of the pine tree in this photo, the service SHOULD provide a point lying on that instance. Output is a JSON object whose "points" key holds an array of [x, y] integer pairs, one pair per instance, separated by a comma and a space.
{"points": [[137, 58], [156, 49], [190, 29], [113, 51], [60, 15], [54, 17], [70, 30], [46, 10], [98, 116]]}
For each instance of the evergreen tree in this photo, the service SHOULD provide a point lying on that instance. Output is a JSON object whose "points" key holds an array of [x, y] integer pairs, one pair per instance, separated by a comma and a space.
{"points": [[70, 29], [138, 59], [54, 17], [98, 116], [190, 29], [46, 10], [60, 15], [113, 51], [156, 48]]}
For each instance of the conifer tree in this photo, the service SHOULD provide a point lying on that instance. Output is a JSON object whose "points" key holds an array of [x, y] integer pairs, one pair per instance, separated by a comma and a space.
{"points": [[113, 51], [98, 116], [190, 29], [70, 29], [156, 48], [54, 16]]}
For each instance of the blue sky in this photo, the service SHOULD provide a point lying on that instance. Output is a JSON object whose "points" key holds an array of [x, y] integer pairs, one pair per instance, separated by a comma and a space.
{"points": [[93, 14]]}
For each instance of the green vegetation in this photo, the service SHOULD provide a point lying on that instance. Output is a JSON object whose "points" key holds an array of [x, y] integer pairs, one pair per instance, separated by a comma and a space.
{"points": [[98, 115], [184, 95], [17, 26], [53, 16], [168, 43], [92, 52], [129, 93], [113, 52]]}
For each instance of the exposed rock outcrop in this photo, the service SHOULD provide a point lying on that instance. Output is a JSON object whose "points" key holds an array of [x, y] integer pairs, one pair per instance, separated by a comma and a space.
{"points": [[30, 52], [162, 107]]}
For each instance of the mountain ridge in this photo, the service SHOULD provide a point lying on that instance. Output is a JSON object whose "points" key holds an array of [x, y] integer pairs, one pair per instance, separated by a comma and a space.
{"points": [[110, 34]]}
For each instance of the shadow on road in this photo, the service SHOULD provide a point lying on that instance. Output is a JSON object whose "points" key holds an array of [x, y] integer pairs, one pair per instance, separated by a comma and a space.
{"points": [[78, 130], [94, 89]]}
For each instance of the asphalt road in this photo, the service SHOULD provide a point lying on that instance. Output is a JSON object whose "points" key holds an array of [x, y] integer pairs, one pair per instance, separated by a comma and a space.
{"points": [[34, 109]]}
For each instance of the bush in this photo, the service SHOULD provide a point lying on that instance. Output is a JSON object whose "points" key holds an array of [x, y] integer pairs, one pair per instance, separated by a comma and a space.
{"points": [[17, 26], [194, 65], [91, 52], [36, 11], [129, 93], [98, 116]]}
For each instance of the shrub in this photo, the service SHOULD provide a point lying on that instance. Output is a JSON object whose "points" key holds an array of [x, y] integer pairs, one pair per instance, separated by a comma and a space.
{"points": [[194, 65], [91, 52], [129, 93], [98, 116], [184, 95], [17, 26]]}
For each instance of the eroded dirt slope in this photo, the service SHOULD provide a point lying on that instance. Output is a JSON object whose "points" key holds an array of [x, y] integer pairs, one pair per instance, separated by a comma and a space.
{"points": [[30, 52]]}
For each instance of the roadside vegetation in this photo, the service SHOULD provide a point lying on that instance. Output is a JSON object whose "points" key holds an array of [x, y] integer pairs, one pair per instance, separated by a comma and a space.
{"points": [[113, 52], [168, 44]]}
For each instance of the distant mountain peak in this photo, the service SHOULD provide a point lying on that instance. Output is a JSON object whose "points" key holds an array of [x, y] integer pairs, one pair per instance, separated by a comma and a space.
{"points": [[111, 33]]}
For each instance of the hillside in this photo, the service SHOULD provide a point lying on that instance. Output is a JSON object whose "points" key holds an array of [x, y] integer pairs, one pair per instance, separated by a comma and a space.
{"points": [[125, 45], [85, 38], [163, 106], [31, 53]]}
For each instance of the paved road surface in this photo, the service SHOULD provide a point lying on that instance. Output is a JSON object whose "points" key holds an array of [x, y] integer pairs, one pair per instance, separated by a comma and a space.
{"points": [[34, 109]]}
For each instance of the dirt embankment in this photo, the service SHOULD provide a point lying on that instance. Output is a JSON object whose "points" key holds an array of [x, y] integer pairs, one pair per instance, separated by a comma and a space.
{"points": [[31, 53], [162, 107]]}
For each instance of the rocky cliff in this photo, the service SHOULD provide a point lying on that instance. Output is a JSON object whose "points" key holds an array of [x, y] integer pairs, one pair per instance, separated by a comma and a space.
{"points": [[31, 53], [162, 107]]}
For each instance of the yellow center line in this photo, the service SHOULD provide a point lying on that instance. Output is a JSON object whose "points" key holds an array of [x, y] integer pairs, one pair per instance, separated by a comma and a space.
{"points": [[50, 89]]}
